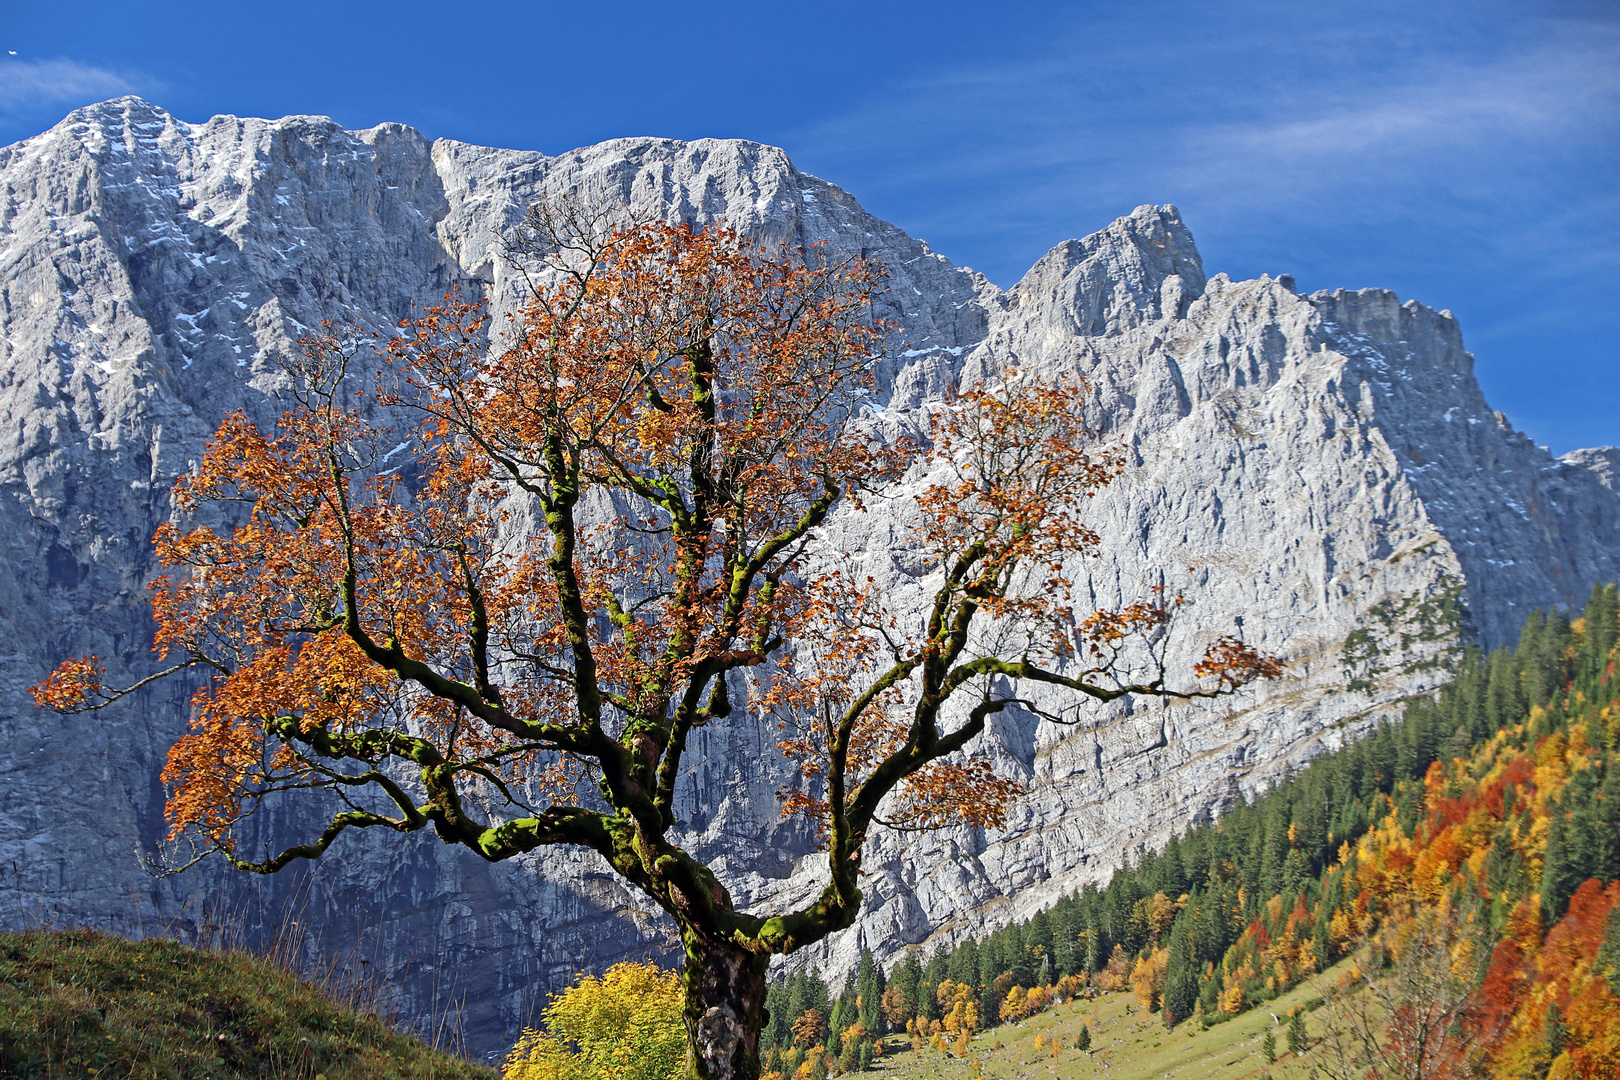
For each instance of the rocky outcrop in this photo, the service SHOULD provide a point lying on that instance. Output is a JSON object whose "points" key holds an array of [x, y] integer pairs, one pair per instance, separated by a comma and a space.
{"points": [[1301, 467]]}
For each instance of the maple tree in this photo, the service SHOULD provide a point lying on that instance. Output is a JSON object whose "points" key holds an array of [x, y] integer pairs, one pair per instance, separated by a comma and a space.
{"points": [[612, 535]]}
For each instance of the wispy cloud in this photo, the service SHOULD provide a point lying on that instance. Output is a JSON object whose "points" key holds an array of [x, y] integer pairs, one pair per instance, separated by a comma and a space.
{"points": [[1237, 119], [1486, 128], [1466, 154], [28, 87]]}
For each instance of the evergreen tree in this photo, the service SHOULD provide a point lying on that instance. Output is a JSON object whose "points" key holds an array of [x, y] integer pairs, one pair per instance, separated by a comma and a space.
{"points": [[1384, 756], [849, 1056], [928, 990], [990, 965], [1557, 1033], [1209, 990], [907, 977], [1321, 941], [1297, 1040], [1018, 962], [1067, 958], [776, 1030], [1504, 702], [1295, 871], [1182, 970], [1038, 938], [1504, 868], [1597, 849], [1598, 634], [844, 1014], [964, 963], [1559, 874], [1545, 666], [869, 987], [1608, 955], [1082, 1041]]}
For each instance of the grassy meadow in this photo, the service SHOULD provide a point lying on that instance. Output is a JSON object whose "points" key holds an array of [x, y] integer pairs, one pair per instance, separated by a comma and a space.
{"points": [[1127, 1044], [80, 1004]]}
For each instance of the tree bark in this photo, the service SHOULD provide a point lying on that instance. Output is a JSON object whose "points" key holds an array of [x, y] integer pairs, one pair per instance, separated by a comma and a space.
{"points": [[725, 1007]]}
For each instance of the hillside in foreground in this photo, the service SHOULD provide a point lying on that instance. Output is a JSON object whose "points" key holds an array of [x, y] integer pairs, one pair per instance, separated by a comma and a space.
{"points": [[81, 1004]]}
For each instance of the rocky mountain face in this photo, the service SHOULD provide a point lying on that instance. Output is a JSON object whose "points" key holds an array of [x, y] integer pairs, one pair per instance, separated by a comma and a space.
{"points": [[1320, 472]]}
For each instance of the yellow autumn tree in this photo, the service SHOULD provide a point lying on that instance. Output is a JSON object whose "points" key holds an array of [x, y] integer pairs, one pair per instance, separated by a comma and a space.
{"points": [[1147, 978], [625, 1025]]}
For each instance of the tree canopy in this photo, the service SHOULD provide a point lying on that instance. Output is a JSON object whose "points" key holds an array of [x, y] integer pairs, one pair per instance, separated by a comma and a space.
{"points": [[611, 534]]}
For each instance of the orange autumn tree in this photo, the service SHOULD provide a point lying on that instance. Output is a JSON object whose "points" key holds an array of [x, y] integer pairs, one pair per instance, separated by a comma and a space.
{"points": [[614, 536]]}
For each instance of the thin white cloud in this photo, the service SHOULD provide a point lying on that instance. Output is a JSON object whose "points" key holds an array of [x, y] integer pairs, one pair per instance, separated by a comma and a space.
{"points": [[1443, 120], [29, 86], [1223, 123]]}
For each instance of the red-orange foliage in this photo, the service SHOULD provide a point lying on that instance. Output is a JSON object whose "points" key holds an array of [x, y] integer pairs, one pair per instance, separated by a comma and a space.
{"points": [[1542, 1008], [1530, 976]]}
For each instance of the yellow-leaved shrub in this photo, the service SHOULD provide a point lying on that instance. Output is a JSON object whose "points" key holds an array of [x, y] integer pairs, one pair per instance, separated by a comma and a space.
{"points": [[625, 1025]]}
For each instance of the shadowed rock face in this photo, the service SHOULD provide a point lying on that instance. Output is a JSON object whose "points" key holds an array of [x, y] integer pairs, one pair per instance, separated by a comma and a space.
{"points": [[1300, 466]]}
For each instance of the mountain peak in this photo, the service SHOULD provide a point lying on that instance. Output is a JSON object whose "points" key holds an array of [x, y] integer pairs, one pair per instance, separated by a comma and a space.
{"points": [[1142, 267]]}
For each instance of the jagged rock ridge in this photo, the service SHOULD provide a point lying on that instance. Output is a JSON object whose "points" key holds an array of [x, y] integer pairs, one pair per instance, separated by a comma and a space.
{"points": [[1302, 466]]}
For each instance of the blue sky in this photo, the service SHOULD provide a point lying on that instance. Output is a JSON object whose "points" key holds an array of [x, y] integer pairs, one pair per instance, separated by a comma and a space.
{"points": [[1463, 154]]}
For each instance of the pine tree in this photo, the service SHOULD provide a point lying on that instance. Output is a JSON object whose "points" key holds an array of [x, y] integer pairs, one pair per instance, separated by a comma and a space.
{"points": [[775, 1031], [1295, 871], [849, 1056], [1599, 633], [989, 997], [844, 1014], [869, 987], [907, 977], [935, 973], [1181, 973], [1038, 938], [1559, 874], [1082, 1041], [1209, 991], [1608, 955], [1297, 1040], [1600, 820], [964, 963], [1504, 702], [1553, 660], [1268, 1047], [1557, 1032]]}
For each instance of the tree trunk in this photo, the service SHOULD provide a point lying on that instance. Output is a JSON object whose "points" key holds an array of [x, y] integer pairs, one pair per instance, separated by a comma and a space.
{"points": [[725, 1008]]}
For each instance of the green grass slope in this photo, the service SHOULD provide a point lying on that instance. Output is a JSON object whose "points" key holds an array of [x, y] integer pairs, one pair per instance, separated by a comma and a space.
{"points": [[1127, 1044], [82, 1004]]}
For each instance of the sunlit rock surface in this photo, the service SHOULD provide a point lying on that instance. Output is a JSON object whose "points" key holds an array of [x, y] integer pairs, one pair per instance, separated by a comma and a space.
{"points": [[1299, 467]]}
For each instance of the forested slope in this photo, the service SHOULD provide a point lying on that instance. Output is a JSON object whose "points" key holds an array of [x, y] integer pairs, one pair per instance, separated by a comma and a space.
{"points": [[1496, 800]]}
